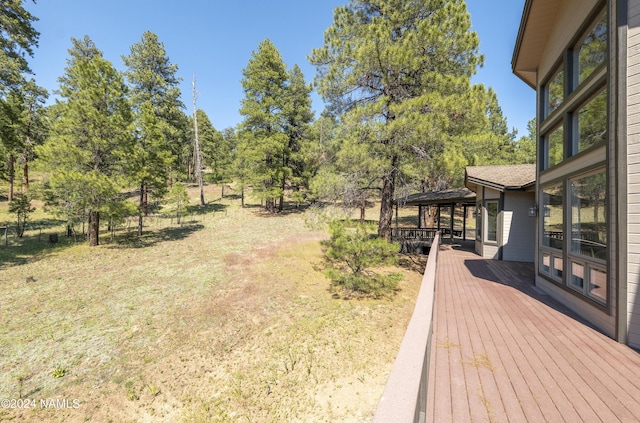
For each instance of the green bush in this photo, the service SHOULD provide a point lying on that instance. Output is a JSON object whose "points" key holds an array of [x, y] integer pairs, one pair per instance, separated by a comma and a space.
{"points": [[352, 253]]}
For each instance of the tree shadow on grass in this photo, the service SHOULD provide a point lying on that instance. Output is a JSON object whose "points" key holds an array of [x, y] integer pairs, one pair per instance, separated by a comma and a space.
{"points": [[151, 238], [29, 248], [206, 209]]}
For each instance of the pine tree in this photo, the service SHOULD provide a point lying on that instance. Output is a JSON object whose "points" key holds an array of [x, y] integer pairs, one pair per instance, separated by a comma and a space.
{"points": [[297, 115], [91, 135], [155, 97], [22, 126], [404, 69], [216, 150], [264, 83], [17, 39]]}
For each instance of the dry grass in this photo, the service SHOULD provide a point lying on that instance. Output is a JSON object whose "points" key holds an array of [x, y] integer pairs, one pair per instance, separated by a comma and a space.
{"points": [[225, 318]]}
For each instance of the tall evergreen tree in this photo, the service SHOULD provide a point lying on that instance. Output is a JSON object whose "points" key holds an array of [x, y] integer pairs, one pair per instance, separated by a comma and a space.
{"points": [[216, 149], [17, 39], [22, 126], [91, 135], [297, 117], [404, 68], [264, 83], [155, 97]]}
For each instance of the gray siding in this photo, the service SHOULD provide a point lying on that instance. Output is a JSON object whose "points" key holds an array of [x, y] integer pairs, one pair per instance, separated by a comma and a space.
{"points": [[518, 228], [633, 174]]}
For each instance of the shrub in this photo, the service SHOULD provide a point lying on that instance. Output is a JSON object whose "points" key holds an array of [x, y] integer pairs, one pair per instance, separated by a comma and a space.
{"points": [[352, 252]]}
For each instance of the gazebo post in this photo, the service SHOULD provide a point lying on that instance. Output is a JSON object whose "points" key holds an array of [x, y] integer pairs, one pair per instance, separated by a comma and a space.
{"points": [[464, 222], [452, 213]]}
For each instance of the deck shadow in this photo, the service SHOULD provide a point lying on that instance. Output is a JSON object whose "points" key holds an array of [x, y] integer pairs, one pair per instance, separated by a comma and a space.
{"points": [[520, 276]]}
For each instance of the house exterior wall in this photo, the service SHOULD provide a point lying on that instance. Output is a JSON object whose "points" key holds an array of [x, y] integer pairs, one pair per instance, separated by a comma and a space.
{"points": [[518, 232], [633, 173], [571, 21]]}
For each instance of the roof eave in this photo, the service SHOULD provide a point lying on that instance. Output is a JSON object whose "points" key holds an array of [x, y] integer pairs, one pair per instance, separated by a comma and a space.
{"points": [[484, 183], [518, 46]]}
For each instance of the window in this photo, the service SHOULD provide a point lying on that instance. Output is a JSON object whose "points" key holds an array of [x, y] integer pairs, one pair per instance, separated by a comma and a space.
{"points": [[598, 284], [589, 216], [554, 92], [592, 122], [492, 221], [589, 279], [554, 150], [591, 52], [573, 115], [553, 216], [479, 221], [582, 122], [545, 262]]}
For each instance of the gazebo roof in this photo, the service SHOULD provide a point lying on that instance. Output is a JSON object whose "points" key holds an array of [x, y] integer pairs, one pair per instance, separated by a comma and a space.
{"points": [[460, 195]]}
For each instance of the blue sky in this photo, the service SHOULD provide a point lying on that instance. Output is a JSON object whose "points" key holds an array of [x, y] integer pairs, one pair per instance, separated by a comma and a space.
{"points": [[215, 40]]}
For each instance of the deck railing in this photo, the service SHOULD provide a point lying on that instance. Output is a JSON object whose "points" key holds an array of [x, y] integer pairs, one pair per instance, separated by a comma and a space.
{"points": [[405, 395], [413, 233]]}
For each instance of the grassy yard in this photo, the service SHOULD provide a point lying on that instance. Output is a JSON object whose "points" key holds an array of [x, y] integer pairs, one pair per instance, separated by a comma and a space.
{"points": [[226, 317]]}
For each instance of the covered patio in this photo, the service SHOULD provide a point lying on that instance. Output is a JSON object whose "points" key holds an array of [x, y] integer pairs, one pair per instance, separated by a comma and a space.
{"points": [[418, 239]]}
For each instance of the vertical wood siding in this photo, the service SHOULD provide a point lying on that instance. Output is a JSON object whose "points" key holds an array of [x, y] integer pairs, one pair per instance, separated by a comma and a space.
{"points": [[633, 173]]}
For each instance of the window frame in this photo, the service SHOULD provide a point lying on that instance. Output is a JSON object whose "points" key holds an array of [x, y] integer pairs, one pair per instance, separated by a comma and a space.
{"points": [[486, 239], [576, 164], [576, 96]]}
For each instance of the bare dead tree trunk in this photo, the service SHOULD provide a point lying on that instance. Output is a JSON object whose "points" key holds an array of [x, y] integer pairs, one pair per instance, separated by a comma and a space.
{"points": [[196, 152]]}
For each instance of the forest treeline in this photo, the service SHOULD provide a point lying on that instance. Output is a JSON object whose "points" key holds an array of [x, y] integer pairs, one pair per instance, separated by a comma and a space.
{"points": [[402, 116]]}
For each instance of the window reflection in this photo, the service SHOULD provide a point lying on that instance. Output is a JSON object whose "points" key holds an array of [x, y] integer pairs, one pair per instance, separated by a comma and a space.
{"points": [[593, 50], [592, 122], [555, 92], [492, 221], [556, 146], [577, 276], [588, 216], [552, 216], [598, 284]]}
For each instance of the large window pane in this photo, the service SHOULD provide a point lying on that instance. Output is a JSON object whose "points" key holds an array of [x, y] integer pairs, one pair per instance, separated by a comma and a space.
{"points": [[555, 147], [555, 92], [492, 221], [589, 216], [592, 122], [592, 51], [553, 217]]}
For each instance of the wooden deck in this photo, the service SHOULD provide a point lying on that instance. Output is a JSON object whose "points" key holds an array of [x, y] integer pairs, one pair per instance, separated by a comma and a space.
{"points": [[503, 351]]}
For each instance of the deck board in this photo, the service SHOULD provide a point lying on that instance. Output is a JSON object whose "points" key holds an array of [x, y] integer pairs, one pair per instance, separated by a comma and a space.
{"points": [[503, 351]]}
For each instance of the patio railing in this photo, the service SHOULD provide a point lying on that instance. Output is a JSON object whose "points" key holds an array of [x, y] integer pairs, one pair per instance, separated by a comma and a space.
{"points": [[421, 234], [405, 394]]}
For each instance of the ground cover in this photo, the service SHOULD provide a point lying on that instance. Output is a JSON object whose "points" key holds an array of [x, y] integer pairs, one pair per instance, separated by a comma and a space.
{"points": [[227, 317]]}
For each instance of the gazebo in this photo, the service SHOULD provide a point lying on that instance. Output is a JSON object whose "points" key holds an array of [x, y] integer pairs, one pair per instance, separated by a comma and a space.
{"points": [[420, 238]]}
